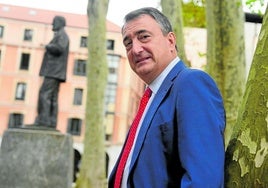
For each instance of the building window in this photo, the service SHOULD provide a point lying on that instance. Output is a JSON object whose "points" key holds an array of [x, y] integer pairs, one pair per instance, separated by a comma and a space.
{"points": [[78, 96], [83, 42], [110, 44], [15, 120], [80, 67], [20, 91], [28, 35], [24, 61], [74, 126], [113, 62], [1, 31], [110, 93]]}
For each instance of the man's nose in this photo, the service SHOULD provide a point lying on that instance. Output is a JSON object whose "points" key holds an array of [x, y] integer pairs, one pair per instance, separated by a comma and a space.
{"points": [[137, 47]]}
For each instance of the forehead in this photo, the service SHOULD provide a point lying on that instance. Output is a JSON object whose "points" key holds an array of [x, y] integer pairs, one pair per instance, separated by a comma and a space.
{"points": [[142, 22]]}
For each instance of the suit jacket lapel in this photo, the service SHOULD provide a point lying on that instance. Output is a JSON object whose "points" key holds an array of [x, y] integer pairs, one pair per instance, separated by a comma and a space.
{"points": [[165, 86]]}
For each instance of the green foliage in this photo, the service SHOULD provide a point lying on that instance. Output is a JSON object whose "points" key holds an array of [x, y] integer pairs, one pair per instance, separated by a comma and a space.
{"points": [[255, 6], [194, 11], [194, 14]]}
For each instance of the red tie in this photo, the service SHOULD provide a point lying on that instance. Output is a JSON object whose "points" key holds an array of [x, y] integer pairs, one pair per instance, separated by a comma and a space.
{"points": [[130, 139]]}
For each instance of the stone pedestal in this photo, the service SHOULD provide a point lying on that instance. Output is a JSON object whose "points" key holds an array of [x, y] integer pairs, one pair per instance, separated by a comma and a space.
{"points": [[36, 159]]}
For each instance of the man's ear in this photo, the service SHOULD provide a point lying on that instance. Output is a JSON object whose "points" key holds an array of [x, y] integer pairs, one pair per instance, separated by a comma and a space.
{"points": [[172, 41], [171, 38]]}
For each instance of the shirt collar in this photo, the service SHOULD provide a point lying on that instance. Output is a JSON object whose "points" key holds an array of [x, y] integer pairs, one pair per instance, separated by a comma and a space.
{"points": [[155, 85]]}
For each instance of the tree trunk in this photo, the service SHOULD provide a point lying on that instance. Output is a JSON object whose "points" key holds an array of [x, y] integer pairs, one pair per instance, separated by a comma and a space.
{"points": [[173, 10], [247, 153], [226, 54], [92, 170]]}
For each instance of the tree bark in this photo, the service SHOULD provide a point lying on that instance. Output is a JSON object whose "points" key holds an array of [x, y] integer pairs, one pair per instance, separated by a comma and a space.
{"points": [[173, 10], [226, 54], [92, 170], [247, 153]]}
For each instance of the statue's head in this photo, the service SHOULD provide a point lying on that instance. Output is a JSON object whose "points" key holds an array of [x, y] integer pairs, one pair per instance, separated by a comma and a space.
{"points": [[58, 23]]}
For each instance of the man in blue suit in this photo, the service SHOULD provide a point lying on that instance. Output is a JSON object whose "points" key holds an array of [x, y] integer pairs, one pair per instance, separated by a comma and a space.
{"points": [[179, 141]]}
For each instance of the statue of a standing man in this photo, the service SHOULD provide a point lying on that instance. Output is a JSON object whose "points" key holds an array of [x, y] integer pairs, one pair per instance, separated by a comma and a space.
{"points": [[53, 69]]}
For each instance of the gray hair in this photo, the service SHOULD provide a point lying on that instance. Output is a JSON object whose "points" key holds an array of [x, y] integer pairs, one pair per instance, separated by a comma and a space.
{"points": [[160, 18]]}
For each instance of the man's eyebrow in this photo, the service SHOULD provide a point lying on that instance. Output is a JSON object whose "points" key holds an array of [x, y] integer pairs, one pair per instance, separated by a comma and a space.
{"points": [[136, 33], [141, 31]]}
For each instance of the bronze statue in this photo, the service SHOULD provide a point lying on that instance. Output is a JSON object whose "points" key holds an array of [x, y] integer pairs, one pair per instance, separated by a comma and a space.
{"points": [[53, 70]]}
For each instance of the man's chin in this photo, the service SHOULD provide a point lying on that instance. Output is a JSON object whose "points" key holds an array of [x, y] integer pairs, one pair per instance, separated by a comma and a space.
{"points": [[142, 72]]}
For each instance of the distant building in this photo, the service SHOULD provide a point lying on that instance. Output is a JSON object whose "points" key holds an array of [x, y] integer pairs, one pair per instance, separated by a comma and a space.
{"points": [[23, 34]]}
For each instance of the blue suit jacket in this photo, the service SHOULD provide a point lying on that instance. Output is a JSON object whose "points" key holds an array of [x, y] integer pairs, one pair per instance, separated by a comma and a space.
{"points": [[180, 143]]}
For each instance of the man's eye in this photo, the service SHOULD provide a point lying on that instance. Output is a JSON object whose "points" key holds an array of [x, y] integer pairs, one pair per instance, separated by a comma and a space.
{"points": [[128, 44], [144, 37]]}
